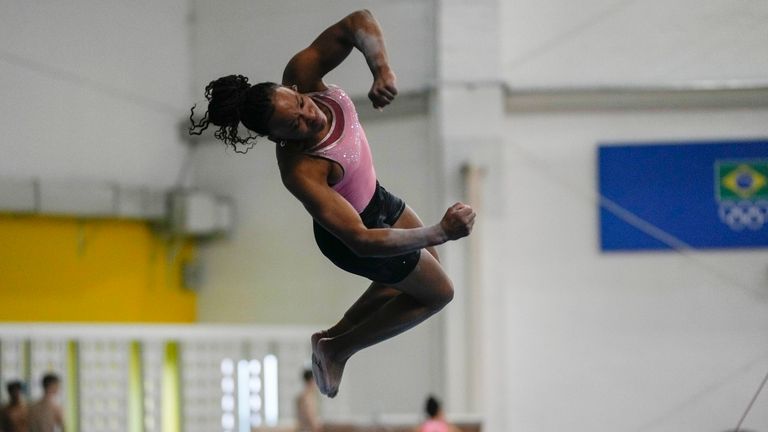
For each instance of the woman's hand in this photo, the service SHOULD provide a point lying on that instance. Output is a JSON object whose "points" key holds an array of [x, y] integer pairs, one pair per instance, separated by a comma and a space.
{"points": [[383, 90], [458, 221]]}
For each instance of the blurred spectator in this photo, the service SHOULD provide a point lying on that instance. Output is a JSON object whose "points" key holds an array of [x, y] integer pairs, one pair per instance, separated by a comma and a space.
{"points": [[306, 405], [13, 417], [435, 418], [46, 415]]}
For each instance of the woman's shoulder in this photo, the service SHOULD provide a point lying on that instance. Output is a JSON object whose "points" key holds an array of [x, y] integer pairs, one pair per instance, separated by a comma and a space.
{"points": [[333, 91], [295, 166]]}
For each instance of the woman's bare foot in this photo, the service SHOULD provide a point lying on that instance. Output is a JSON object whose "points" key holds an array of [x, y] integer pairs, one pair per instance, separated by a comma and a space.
{"points": [[319, 377], [330, 369]]}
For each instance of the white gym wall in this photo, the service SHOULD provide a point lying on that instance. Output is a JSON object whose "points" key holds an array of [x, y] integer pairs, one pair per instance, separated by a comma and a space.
{"points": [[581, 340]]}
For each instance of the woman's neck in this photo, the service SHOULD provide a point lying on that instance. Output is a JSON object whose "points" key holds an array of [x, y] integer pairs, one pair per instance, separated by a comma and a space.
{"points": [[329, 121], [314, 140]]}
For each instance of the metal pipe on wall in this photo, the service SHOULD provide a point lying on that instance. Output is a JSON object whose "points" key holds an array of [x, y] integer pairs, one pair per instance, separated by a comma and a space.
{"points": [[473, 177]]}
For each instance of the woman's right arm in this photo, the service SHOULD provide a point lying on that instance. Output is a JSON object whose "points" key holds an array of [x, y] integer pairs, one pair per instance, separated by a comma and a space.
{"points": [[358, 30], [308, 183]]}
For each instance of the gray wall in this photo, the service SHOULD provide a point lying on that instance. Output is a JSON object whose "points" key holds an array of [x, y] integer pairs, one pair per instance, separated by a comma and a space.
{"points": [[93, 90], [640, 342], [623, 341], [631, 42], [637, 341]]}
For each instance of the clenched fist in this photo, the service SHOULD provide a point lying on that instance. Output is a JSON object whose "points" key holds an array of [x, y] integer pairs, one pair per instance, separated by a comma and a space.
{"points": [[383, 90], [458, 221]]}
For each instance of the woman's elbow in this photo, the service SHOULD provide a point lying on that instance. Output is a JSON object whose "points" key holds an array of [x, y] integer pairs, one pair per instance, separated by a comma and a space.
{"points": [[362, 244], [359, 19], [363, 13]]}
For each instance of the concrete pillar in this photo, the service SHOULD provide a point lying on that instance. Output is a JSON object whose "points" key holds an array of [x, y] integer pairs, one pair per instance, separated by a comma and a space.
{"points": [[467, 110]]}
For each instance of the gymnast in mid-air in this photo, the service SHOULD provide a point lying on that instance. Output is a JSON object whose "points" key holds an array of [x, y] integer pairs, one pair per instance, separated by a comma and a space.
{"points": [[324, 161]]}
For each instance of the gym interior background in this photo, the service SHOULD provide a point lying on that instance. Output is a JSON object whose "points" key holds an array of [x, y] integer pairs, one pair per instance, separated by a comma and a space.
{"points": [[174, 283]]}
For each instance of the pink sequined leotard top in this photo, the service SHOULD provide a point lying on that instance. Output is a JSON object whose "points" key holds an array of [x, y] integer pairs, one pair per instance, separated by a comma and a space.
{"points": [[433, 425], [347, 145]]}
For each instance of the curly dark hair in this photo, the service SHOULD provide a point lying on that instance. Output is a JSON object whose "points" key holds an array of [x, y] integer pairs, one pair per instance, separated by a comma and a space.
{"points": [[231, 101]]}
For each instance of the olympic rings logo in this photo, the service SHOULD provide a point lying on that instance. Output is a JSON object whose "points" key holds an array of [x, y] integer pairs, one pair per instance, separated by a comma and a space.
{"points": [[744, 214]]}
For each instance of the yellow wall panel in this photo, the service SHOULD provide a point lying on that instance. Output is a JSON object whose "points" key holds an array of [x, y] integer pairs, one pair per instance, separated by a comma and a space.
{"points": [[63, 269]]}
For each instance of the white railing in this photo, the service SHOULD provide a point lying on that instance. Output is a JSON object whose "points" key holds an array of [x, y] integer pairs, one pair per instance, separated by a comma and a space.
{"points": [[121, 376]]}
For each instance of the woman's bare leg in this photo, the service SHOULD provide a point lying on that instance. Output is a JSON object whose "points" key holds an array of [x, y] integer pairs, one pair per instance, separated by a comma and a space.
{"points": [[377, 293], [425, 291], [374, 298]]}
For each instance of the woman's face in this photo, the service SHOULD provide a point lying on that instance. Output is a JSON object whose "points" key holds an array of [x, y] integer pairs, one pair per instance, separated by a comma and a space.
{"points": [[296, 116]]}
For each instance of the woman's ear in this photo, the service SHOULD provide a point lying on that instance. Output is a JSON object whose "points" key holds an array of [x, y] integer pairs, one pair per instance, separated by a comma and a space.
{"points": [[276, 140]]}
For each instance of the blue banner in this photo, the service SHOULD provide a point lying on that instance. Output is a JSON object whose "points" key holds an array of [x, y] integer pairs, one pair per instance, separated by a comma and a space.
{"points": [[704, 194]]}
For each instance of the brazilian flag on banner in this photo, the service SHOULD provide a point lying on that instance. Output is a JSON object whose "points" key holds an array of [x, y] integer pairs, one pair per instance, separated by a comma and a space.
{"points": [[742, 180], [703, 194]]}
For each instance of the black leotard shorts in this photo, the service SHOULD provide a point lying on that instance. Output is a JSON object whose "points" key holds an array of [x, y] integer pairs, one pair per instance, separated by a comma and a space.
{"points": [[381, 212]]}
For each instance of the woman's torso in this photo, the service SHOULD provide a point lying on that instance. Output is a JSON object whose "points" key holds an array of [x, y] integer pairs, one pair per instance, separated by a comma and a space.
{"points": [[352, 175]]}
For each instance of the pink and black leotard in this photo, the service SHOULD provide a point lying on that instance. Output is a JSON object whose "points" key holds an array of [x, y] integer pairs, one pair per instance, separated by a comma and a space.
{"points": [[347, 145]]}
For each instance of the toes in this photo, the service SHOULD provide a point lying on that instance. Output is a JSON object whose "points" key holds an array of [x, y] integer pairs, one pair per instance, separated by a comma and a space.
{"points": [[318, 374]]}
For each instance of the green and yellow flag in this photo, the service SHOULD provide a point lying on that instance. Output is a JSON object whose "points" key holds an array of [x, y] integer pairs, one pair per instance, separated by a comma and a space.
{"points": [[742, 180]]}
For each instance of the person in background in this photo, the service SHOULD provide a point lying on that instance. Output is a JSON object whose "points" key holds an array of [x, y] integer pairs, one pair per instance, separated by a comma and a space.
{"points": [[306, 405], [435, 418], [46, 415], [13, 417]]}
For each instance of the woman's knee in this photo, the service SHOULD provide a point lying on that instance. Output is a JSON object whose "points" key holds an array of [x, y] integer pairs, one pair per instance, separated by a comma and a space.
{"points": [[443, 294], [428, 283]]}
